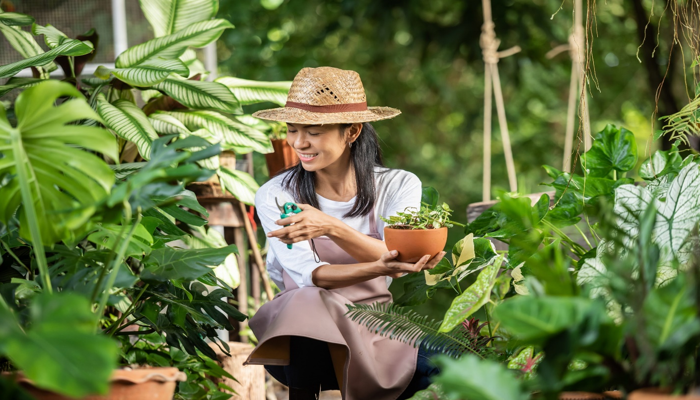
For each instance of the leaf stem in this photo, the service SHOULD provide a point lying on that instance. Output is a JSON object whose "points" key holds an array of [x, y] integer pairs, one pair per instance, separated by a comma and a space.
{"points": [[116, 263], [114, 326], [13, 255], [583, 235], [28, 206]]}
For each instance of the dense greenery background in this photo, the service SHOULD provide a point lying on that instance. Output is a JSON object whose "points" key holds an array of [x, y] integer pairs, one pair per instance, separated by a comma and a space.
{"points": [[423, 57]]}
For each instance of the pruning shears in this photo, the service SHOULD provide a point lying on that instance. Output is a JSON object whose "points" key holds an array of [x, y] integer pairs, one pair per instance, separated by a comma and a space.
{"points": [[287, 210]]}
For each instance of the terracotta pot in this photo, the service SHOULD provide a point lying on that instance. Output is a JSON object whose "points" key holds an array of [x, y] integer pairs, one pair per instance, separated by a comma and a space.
{"points": [[658, 394], [283, 157], [613, 394], [414, 244], [138, 384]]}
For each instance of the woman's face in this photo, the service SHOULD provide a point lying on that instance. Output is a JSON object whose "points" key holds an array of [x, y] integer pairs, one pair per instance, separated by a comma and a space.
{"points": [[319, 146]]}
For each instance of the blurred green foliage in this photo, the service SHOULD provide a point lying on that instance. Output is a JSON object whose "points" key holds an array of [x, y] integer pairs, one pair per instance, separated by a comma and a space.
{"points": [[423, 57]]}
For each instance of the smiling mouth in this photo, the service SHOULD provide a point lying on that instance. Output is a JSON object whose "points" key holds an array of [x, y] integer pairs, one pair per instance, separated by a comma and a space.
{"points": [[306, 157]]}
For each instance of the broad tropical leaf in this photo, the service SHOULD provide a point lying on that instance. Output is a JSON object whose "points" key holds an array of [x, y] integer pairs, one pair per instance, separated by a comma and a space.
{"points": [[678, 211], [69, 47], [475, 379], [15, 19], [238, 183], [24, 43], [192, 62], [107, 235], [174, 45], [128, 122], [169, 16], [204, 238], [200, 94], [166, 124], [148, 73], [14, 83], [251, 92], [60, 351], [232, 134], [52, 36], [473, 298], [60, 186], [123, 170], [169, 263], [614, 149]]}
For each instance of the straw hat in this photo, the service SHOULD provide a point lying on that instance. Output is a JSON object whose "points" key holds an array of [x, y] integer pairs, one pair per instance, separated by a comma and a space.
{"points": [[327, 95]]}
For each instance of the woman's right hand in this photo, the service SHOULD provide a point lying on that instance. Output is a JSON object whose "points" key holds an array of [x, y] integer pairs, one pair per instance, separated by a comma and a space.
{"points": [[395, 269]]}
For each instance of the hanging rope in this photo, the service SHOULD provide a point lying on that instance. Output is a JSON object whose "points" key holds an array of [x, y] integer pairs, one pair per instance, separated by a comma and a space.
{"points": [[577, 86], [489, 47]]}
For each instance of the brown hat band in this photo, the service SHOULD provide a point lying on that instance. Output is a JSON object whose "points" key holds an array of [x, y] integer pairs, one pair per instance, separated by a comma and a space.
{"points": [[332, 108]]}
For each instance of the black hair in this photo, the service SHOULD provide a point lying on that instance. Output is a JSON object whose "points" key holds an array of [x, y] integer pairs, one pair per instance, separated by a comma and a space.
{"points": [[365, 155]]}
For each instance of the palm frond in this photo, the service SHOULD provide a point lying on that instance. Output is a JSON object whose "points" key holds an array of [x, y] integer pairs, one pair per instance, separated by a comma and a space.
{"points": [[398, 323]]}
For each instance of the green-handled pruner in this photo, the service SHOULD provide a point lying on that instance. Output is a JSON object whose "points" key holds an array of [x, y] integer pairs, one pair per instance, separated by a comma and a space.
{"points": [[287, 210]]}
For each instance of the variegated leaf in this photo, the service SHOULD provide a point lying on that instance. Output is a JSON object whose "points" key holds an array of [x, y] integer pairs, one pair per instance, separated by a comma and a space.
{"points": [[200, 94], [148, 73], [167, 124], [52, 36], [251, 92], [128, 122], [238, 183], [14, 83], [174, 45], [69, 47], [15, 19], [169, 16]]}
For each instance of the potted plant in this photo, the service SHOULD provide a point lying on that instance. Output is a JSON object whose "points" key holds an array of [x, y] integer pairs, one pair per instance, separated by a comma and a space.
{"points": [[283, 157], [417, 232], [88, 280]]}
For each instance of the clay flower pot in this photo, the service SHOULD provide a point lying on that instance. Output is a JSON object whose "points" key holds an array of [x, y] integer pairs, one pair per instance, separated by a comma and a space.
{"points": [[412, 244], [613, 394], [137, 384], [658, 394], [282, 158]]}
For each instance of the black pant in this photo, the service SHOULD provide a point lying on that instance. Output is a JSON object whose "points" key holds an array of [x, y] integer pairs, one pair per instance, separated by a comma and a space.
{"points": [[311, 367]]}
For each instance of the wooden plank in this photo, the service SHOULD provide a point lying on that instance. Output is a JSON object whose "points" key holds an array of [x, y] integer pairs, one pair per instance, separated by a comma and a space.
{"points": [[224, 213]]}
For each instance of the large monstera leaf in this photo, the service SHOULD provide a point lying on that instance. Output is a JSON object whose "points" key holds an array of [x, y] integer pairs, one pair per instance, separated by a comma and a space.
{"points": [[678, 211], [169, 16], [53, 183], [174, 45]]}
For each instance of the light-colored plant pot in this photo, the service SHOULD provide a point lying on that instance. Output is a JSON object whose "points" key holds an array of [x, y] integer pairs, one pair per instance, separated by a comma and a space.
{"points": [[282, 158], [137, 384], [658, 394], [412, 244]]}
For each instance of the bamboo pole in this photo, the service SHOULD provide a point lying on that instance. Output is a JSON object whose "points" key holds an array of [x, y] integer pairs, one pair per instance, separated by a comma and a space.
{"points": [[259, 265]]}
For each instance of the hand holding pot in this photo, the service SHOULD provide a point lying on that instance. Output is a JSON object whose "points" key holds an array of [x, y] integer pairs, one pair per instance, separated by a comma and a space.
{"points": [[395, 269], [308, 224]]}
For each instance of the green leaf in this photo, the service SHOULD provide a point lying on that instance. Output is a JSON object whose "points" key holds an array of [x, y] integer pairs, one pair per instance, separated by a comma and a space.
{"points": [[232, 134], [15, 19], [534, 319], [166, 124], [148, 73], [60, 351], [69, 47], [108, 234], [65, 182], [169, 16], [662, 163], [475, 379], [169, 263], [430, 196], [14, 83], [613, 149], [240, 184], [525, 361], [52, 36], [128, 121], [671, 315], [473, 298], [252, 92], [174, 45], [200, 94]]}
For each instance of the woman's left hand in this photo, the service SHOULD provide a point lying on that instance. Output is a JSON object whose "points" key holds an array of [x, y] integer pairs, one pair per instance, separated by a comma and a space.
{"points": [[310, 223]]}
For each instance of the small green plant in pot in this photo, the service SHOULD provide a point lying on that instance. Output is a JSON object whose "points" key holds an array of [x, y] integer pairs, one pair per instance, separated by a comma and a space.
{"points": [[415, 233]]}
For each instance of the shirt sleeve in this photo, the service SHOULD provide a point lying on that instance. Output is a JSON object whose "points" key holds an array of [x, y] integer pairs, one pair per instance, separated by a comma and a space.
{"points": [[402, 191], [298, 261]]}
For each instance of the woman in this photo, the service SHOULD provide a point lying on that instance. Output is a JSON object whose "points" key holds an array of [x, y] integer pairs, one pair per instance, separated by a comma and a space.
{"points": [[337, 256]]}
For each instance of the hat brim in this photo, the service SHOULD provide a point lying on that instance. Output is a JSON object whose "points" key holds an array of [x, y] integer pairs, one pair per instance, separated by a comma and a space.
{"points": [[299, 116]]}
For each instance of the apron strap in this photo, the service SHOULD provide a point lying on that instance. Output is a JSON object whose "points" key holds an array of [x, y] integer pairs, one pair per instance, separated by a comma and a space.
{"points": [[372, 223]]}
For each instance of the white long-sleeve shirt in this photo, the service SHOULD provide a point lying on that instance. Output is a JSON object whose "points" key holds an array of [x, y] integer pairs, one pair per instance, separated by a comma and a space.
{"points": [[396, 190]]}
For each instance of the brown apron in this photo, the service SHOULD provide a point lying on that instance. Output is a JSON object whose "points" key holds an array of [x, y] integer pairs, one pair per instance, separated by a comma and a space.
{"points": [[367, 365]]}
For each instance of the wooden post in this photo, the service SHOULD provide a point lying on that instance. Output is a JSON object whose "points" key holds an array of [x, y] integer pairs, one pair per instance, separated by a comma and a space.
{"points": [[235, 235]]}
